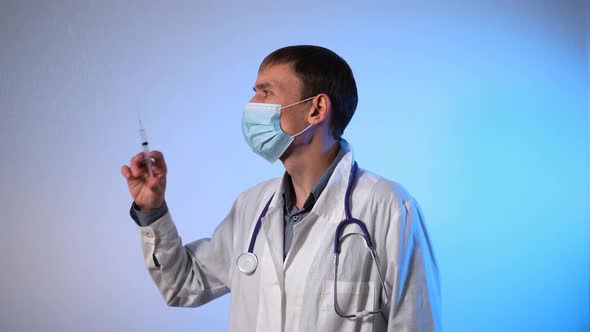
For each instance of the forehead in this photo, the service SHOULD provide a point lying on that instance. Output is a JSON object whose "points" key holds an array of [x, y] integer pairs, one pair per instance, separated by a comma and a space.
{"points": [[279, 76]]}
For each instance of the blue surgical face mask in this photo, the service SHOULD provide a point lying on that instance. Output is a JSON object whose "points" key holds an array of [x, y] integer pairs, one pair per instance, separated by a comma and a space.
{"points": [[261, 125]]}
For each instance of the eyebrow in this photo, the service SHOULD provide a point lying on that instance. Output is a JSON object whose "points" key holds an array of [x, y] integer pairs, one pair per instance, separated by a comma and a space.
{"points": [[261, 86]]}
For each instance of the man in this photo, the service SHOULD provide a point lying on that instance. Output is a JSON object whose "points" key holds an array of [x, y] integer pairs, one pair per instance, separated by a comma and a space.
{"points": [[288, 226]]}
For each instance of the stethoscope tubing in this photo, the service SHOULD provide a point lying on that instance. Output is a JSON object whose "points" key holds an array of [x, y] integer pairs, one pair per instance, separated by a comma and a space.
{"points": [[257, 227], [341, 225], [250, 261]]}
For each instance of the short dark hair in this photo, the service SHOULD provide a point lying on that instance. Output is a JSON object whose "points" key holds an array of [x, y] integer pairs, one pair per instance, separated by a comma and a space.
{"points": [[321, 71]]}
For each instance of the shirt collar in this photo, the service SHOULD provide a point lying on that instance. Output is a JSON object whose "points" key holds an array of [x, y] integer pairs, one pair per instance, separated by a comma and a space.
{"points": [[288, 192]]}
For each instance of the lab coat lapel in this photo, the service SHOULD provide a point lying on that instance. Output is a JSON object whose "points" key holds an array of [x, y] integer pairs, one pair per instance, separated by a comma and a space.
{"points": [[330, 204], [273, 228]]}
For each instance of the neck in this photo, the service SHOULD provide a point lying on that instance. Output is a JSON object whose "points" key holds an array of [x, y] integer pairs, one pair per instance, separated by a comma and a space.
{"points": [[307, 163]]}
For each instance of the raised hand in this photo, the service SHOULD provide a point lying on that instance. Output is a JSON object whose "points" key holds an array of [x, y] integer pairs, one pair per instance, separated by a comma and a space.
{"points": [[148, 193]]}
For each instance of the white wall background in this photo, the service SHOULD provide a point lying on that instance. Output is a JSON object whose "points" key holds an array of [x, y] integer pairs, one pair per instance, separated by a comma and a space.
{"points": [[480, 108]]}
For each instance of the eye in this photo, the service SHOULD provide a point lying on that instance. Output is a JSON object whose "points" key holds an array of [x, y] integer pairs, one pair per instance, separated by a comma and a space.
{"points": [[266, 93]]}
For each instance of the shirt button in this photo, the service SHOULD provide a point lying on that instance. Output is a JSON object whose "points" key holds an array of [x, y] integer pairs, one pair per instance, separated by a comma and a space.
{"points": [[148, 235], [295, 218]]}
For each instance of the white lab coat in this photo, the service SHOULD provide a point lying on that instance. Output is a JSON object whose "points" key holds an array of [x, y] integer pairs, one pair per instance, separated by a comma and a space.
{"points": [[297, 294]]}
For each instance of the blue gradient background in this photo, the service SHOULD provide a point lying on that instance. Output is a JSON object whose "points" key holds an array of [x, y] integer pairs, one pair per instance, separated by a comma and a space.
{"points": [[479, 108]]}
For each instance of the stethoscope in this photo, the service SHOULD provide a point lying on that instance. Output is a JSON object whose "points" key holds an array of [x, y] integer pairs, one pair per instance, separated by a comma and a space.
{"points": [[248, 262]]}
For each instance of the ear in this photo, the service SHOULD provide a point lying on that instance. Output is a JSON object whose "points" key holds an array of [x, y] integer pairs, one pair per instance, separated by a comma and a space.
{"points": [[321, 108]]}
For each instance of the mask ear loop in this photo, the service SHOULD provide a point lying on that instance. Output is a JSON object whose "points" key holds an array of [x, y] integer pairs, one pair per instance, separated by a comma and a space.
{"points": [[301, 132], [297, 103]]}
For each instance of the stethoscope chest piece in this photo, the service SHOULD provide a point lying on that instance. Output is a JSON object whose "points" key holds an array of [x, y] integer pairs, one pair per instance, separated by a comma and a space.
{"points": [[247, 263]]}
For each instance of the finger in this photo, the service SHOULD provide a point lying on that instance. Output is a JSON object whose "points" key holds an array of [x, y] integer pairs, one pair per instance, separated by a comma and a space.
{"points": [[159, 161], [126, 171], [136, 165]]}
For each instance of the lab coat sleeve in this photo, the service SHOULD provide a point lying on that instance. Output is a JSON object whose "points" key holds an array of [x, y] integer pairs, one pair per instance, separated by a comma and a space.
{"points": [[413, 274], [188, 275]]}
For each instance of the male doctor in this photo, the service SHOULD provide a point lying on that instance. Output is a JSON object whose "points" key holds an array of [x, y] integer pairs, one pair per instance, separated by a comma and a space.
{"points": [[276, 250]]}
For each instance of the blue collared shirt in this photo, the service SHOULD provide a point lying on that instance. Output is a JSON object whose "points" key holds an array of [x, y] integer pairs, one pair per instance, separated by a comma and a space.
{"points": [[292, 214]]}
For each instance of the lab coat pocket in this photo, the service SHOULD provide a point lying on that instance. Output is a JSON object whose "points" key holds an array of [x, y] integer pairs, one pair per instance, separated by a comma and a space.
{"points": [[352, 297]]}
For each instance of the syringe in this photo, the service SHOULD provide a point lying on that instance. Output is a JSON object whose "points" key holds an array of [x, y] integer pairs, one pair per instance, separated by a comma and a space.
{"points": [[145, 148]]}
